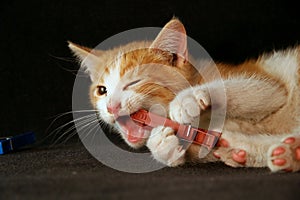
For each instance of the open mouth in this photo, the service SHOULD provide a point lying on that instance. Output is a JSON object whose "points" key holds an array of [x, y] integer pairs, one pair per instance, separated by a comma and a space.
{"points": [[134, 132]]}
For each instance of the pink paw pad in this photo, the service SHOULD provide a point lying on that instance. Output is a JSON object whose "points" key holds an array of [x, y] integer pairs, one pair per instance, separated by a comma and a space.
{"points": [[279, 161], [278, 151], [223, 143], [289, 140], [239, 156]]}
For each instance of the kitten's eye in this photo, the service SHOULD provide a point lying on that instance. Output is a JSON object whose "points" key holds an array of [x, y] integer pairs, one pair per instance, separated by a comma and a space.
{"points": [[100, 90], [130, 84]]}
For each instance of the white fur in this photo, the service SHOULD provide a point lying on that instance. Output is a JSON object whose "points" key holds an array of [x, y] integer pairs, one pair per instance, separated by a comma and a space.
{"points": [[260, 111], [164, 146], [284, 65], [249, 101], [112, 80], [186, 107]]}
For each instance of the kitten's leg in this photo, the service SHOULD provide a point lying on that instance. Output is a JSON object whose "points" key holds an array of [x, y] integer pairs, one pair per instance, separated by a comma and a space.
{"points": [[185, 109], [165, 147], [285, 155], [246, 99], [223, 152], [261, 151]]}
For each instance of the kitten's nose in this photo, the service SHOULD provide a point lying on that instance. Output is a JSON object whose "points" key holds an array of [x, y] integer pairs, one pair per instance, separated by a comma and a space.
{"points": [[114, 109]]}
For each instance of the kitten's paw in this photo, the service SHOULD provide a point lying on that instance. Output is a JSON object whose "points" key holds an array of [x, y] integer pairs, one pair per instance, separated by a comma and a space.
{"points": [[231, 157], [285, 155], [187, 105], [165, 147], [239, 156]]}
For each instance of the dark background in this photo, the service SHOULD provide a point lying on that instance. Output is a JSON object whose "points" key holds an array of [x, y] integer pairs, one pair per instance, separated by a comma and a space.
{"points": [[37, 76], [36, 65]]}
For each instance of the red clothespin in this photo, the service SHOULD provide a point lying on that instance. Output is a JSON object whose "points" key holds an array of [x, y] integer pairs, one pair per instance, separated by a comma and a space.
{"points": [[186, 133]]}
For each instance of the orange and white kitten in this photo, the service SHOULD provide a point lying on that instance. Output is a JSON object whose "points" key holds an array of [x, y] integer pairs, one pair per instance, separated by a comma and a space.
{"points": [[263, 100]]}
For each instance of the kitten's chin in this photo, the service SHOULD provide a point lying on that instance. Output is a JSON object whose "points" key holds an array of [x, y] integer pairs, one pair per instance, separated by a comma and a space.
{"points": [[134, 135], [109, 119], [135, 145]]}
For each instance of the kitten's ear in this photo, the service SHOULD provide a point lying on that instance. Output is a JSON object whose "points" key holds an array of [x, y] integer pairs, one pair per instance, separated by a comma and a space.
{"points": [[172, 38], [87, 57]]}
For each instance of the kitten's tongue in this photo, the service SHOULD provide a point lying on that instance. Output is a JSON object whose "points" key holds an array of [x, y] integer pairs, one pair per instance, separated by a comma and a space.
{"points": [[134, 132]]}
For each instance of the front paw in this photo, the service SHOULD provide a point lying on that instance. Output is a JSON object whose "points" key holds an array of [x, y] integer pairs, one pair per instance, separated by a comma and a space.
{"points": [[165, 147], [187, 105]]}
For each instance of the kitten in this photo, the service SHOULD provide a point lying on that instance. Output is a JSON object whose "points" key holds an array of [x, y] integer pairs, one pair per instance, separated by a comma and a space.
{"points": [[262, 121]]}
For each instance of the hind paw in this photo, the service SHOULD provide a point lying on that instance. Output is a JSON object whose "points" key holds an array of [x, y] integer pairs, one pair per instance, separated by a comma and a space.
{"points": [[230, 156], [285, 155], [239, 156]]}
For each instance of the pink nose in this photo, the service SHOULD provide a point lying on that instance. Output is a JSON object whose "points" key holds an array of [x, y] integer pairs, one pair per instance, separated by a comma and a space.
{"points": [[113, 109]]}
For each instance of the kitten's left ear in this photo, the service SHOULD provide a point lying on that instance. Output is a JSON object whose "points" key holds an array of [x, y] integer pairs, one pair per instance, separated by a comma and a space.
{"points": [[89, 58], [172, 38]]}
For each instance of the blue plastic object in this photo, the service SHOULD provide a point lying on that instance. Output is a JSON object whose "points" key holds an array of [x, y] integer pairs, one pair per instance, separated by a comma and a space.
{"points": [[13, 143]]}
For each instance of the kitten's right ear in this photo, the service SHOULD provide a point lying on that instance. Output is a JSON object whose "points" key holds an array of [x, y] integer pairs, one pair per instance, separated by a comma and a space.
{"points": [[173, 38], [87, 57]]}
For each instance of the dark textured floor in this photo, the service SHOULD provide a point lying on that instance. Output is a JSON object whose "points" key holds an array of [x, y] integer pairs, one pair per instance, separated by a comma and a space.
{"points": [[37, 83], [70, 172]]}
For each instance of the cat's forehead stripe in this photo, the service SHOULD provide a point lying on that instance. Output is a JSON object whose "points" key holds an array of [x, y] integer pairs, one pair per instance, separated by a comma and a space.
{"points": [[134, 59]]}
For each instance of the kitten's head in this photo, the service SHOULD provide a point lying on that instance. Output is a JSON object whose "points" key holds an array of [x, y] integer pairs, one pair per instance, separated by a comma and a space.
{"points": [[135, 76]]}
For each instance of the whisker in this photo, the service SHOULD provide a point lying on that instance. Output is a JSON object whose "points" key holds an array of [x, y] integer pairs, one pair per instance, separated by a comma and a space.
{"points": [[70, 112], [72, 134], [84, 123], [59, 116], [89, 127], [95, 132], [79, 122], [72, 121], [90, 131]]}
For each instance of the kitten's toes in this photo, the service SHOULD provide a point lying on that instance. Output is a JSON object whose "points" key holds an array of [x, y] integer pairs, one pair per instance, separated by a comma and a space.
{"points": [[165, 147], [188, 104], [231, 157], [223, 143], [184, 109], [285, 155], [239, 156]]}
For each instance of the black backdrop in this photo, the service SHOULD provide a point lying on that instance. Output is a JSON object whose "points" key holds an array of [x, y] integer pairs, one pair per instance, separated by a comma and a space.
{"points": [[35, 84]]}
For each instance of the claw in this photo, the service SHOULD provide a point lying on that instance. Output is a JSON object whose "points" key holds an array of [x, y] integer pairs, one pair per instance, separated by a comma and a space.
{"points": [[216, 155]]}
